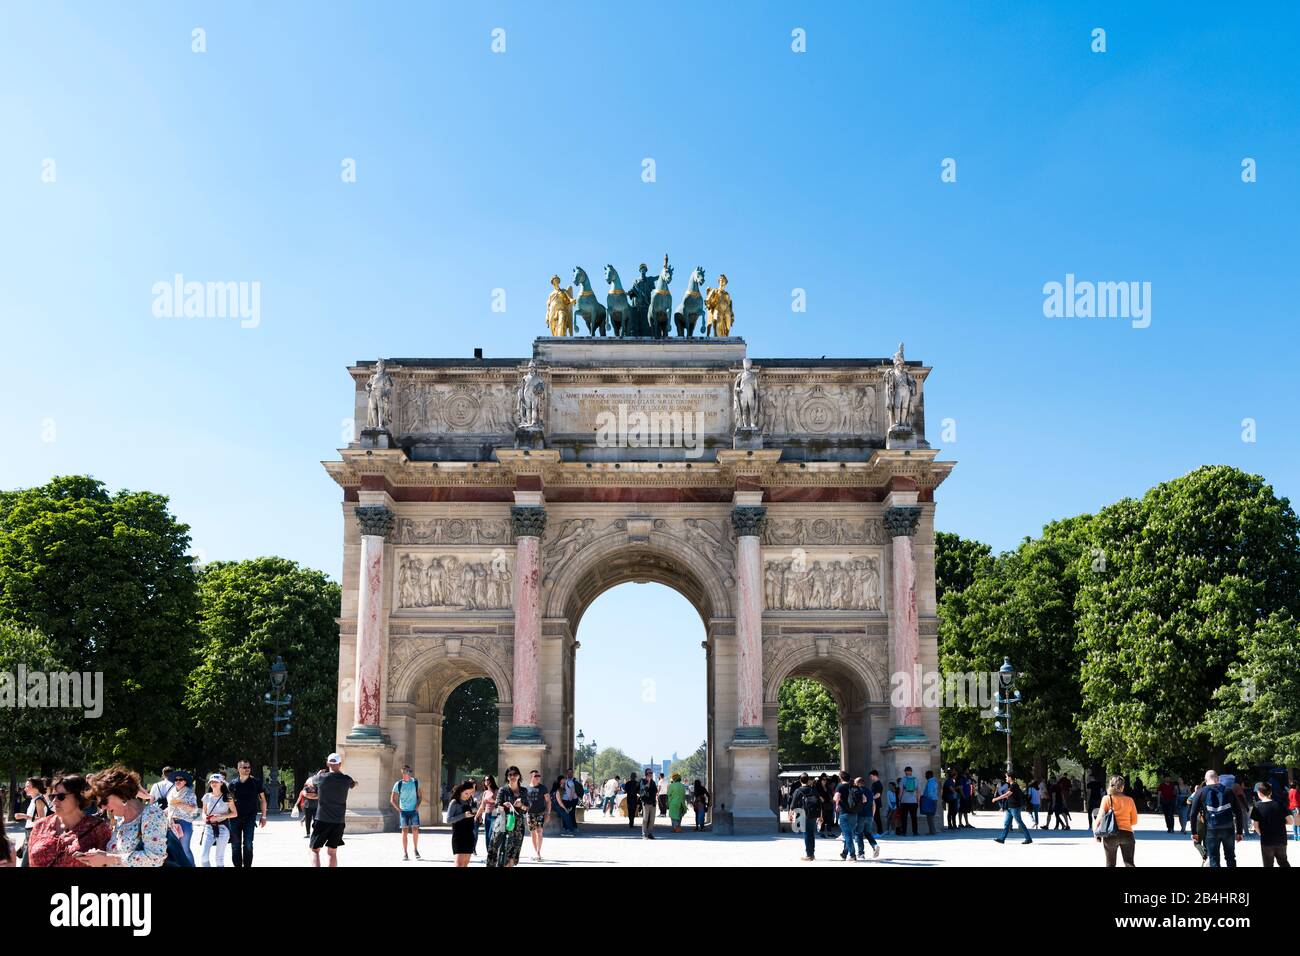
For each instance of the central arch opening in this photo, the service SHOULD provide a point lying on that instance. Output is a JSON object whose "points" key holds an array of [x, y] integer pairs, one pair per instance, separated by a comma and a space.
{"points": [[640, 695]]}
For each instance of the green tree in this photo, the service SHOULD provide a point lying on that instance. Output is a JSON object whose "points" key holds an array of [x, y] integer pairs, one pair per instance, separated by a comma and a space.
{"points": [[1256, 717], [470, 726], [958, 562], [1020, 607], [695, 767], [612, 762], [109, 581], [252, 612], [1184, 577], [807, 722], [33, 738]]}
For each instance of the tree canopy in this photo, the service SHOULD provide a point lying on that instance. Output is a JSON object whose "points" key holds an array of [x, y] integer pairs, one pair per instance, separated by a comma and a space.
{"points": [[807, 722], [108, 579]]}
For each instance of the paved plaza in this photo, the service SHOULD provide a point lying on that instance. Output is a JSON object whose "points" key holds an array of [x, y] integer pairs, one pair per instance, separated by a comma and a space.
{"points": [[611, 844]]}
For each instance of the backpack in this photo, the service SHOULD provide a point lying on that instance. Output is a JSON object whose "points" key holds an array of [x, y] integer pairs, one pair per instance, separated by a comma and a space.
{"points": [[812, 801], [1218, 816], [853, 802]]}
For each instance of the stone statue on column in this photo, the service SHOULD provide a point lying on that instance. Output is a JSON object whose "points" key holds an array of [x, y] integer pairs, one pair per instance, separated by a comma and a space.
{"points": [[746, 408], [379, 404], [530, 403], [900, 393]]}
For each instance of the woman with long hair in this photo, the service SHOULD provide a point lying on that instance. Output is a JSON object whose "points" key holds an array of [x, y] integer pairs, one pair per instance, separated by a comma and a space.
{"points": [[701, 801], [1125, 811], [69, 830], [508, 826], [218, 807], [460, 814]]}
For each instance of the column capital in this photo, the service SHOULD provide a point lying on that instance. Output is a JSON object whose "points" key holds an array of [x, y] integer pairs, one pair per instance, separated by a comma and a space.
{"points": [[375, 520], [748, 520], [900, 521], [528, 520]]}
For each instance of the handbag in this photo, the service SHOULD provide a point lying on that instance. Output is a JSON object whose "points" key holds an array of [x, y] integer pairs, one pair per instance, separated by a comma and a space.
{"points": [[1106, 822]]}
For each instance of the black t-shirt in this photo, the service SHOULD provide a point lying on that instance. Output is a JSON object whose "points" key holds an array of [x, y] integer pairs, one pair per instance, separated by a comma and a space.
{"points": [[332, 788], [1272, 822], [245, 793], [843, 791], [535, 798], [878, 789], [1016, 800]]}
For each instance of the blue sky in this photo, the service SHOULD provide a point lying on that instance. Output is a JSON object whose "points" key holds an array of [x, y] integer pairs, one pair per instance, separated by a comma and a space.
{"points": [[479, 171]]}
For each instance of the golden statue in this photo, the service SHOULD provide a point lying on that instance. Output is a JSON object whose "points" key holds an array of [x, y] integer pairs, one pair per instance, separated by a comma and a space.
{"points": [[718, 302], [559, 308]]}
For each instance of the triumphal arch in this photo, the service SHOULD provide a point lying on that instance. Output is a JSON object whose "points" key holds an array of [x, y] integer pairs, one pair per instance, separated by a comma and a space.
{"points": [[488, 502]]}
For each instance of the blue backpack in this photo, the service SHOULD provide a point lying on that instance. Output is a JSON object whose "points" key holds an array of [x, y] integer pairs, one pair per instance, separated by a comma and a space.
{"points": [[1218, 810]]}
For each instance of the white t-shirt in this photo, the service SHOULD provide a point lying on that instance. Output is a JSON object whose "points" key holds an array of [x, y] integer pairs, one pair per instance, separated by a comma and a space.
{"points": [[215, 806], [611, 788]]}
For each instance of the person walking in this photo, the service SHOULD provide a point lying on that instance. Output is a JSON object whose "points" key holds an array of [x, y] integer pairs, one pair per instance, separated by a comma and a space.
{"points": [[510, 809], [1012, 799], [1095, 794], [38, 805], [406, 799], [610, 793], [538, 800], [158, 792], [807, 797], [700, 800], [1168, 794], [332, 788], [676, 802], [848, 804], [183, 810], [826, 825], [218, 808], [485, 811], [892, 815], [1035, 797], [308, 799], [1268, 818], [866, 821], [1116, 821], [633, 790], [250, 799], [1224, 825], [649, 805], [58, 837], [1293, 804], [461, 816], [1183, 798], [661, 794], [139, 838]]}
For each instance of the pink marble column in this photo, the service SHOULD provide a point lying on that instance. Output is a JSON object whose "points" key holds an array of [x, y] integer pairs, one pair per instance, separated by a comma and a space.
{"points": [[905, 642], [376, 521], [748, 524], [529, 523]]}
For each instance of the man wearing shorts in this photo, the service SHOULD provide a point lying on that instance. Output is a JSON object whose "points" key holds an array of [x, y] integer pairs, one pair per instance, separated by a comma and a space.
{"points": [[538, 800], [406, 799], [332, 786]]}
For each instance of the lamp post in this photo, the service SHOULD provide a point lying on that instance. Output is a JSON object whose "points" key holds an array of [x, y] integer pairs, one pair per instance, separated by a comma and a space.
{"points": [[276, 699], [581, 738], [1007, 696]]}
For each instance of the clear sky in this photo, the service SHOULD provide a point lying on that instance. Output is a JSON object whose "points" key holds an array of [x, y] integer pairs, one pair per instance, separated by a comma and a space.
{"points": [[478, 171]]}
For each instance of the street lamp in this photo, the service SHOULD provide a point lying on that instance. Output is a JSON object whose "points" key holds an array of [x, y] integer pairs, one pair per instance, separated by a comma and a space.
{"points": [[580, 740], [277, 699], [1007, 696]]}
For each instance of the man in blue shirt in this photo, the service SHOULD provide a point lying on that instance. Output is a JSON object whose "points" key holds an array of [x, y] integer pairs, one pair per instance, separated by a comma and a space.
{"points": [[406, 799]]}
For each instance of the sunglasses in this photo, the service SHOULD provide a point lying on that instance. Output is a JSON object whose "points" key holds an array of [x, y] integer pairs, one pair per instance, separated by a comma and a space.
{"points": [[60, 796]]}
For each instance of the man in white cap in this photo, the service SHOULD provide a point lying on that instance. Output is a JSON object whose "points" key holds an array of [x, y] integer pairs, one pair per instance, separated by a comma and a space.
{"points": [[332, 786]]}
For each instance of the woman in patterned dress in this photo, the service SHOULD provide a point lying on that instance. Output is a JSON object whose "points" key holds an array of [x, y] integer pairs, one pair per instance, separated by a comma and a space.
{"points": [[140, 834], [508, 834]]}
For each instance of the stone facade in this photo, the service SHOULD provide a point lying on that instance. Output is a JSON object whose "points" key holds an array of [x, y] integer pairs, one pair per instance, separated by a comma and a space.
{"points": [[808, 550]]}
